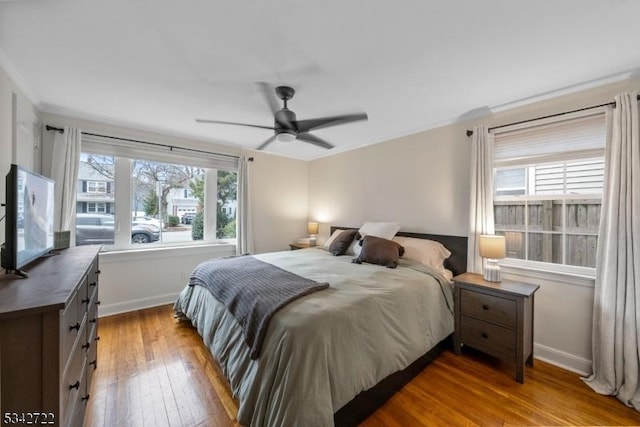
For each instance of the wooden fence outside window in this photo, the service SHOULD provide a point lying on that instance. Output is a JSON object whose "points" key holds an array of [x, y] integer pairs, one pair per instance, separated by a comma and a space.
{"points": [[559, 231]]}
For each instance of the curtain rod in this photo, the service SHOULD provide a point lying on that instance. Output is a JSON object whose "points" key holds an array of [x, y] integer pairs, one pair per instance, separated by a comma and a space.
{"points": [[470, 132], [170, 147], [55, 128]]}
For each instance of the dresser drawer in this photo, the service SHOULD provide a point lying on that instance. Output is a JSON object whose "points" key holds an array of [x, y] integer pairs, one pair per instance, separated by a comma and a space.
{"points": [[490, 338], [490, 308], [92, 358], [72, 385], [70, 323], [83, 296], [75, 400], [93, 275]]}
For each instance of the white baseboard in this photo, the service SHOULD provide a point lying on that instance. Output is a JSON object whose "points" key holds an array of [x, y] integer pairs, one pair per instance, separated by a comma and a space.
{"points": [[138, 304], [563, 360]]}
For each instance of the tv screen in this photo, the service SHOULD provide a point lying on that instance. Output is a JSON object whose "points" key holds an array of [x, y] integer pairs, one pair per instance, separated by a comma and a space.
{"points": [[29, 217]]}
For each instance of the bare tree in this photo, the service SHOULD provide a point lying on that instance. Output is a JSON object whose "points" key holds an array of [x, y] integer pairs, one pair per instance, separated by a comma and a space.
{"points": [[147, 174]]}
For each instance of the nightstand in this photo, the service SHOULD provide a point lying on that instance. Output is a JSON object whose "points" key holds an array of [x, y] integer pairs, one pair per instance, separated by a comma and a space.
{"points": [[495, 318], [294, 246]]}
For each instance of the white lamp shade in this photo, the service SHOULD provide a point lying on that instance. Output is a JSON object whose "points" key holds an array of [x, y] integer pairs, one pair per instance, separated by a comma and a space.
{"points": [[492, 246], [312, 228]]}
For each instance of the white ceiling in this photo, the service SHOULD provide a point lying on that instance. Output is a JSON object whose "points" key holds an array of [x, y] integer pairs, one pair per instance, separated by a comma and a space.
{"points": [[409, 64]]}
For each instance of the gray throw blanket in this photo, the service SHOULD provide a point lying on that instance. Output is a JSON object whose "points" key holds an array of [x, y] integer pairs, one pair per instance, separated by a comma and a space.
{"points": [[253, 291]]}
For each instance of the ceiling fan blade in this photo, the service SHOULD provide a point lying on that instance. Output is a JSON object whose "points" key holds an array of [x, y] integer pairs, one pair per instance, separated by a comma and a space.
{"points": [[267, 142], [218, 122], [312, 124], [312, 139], [269, 95]]}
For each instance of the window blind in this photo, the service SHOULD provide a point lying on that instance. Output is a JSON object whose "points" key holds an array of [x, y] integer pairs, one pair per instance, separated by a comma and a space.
{"points": [[121, 147], [570, 138], [583, 177]]}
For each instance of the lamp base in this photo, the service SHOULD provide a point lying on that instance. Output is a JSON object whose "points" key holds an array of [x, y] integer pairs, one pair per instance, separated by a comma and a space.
{"points": [[491, 271], [312, 240]]}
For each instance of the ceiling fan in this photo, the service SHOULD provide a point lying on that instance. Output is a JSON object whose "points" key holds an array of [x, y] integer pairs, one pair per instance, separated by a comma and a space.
{"points": [[287, 127]]}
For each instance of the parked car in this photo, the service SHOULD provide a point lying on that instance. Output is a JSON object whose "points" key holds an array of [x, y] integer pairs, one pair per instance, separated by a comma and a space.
{"points": [[94, 228], [146, 220], [188, 217]]}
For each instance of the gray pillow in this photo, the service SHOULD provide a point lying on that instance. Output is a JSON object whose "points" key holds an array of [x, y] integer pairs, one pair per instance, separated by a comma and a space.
{"points": [[376, 250], [341, 242]]}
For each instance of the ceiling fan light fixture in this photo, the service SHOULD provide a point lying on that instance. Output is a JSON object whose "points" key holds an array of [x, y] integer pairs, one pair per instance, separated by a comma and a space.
{"points": [[286, 126], [285, 137]]}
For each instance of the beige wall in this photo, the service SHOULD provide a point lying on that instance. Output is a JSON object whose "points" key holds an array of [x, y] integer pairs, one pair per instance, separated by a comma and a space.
{"points": [[417, 181], [279, 189], [8, 89], [422, 182]]}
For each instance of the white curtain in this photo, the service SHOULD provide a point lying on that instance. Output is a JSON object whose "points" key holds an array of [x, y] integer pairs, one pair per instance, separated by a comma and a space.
{"points": [[481, 203], [65, 163], [244, 231], [616, 311]]}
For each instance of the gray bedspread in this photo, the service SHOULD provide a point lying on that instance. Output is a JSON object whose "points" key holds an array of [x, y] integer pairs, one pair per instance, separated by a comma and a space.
{"points": [[252, 290], [323, 349]]}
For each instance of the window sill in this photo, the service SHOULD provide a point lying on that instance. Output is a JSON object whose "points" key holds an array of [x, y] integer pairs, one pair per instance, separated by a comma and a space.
{"points": [[536, 273], [214, 249]]}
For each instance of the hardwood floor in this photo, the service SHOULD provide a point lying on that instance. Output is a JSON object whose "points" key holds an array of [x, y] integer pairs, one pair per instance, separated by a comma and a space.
{"points": [[155, 371]]}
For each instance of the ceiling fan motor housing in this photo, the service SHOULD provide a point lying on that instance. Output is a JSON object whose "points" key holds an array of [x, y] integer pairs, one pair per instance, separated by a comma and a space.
{"points": [[284, 125]]}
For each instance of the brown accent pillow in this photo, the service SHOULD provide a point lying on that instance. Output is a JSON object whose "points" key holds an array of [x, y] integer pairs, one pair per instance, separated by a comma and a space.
{"points": [[376, 250], [341, 242]]}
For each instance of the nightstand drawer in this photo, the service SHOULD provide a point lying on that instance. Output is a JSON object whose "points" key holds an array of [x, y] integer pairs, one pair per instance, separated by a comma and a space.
{"points": [[490, 338], [489, 308]]}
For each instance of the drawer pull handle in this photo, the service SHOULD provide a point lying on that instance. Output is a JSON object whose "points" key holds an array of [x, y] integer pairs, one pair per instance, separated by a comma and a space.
{"points": [[93, 363], [85, 398], [485, 335], [97, 271], [87, 345], [97, 302], [97, 338], [85, 301], [485, 307], [76, 385], [76, 327], [93, 284], [92, 321]]}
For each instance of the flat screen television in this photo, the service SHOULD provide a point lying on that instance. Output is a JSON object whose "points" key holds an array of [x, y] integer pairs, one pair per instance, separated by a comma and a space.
{"points": [[29, 218]]}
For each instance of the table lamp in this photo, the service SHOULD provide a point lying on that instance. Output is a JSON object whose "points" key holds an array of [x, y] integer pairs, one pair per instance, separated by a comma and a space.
{"points": [[492, 248], [312, 229]]}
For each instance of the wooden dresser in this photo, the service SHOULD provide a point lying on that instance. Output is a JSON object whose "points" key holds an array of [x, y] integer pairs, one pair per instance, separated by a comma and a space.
{"points": [[496, 318], [49, 339]]}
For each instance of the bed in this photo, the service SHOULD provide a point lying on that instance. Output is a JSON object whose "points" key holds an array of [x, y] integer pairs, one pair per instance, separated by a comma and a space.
{"points": [[333, 356]]}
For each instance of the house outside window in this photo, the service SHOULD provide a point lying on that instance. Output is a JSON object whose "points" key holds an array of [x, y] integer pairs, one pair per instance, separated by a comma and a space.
{"points": [[95, 191], [548, 181]]}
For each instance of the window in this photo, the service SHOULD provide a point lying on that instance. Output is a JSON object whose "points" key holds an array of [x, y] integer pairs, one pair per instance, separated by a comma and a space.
{"points": [[96, 187], [149, 191], [548, 180], [96, 207]]}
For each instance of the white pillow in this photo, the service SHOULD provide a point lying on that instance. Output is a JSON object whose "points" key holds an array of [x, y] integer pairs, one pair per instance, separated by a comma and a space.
{"points": [[386, 230], [427, 252], [354, 248]]}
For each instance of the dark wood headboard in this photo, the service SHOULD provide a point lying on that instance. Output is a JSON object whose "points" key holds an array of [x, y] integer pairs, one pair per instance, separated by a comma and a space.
{"points": [[457, 245]]}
